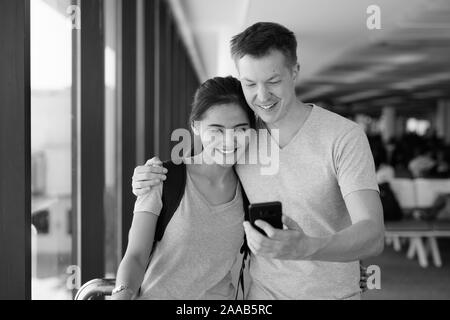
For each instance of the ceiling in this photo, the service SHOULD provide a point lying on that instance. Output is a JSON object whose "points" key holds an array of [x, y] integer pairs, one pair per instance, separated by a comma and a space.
{"points": [[405, 64]]}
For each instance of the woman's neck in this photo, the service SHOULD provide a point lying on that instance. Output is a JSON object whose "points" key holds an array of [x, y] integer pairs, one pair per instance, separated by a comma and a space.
{"points": [[213, 172]]}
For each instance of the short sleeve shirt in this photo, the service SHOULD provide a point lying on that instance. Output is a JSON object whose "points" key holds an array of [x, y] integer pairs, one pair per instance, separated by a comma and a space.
{"points": [[327, 159], [195, 257]]}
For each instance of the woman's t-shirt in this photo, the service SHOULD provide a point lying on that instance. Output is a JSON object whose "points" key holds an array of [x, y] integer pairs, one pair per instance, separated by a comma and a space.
{"points": [[194, 258]]}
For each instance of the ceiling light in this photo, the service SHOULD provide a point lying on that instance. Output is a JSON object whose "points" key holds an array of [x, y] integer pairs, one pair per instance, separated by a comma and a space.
{"points": [[406, 58]]}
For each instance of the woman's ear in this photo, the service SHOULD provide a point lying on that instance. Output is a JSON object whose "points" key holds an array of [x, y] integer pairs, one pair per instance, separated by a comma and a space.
{"points": [[195, 127]]}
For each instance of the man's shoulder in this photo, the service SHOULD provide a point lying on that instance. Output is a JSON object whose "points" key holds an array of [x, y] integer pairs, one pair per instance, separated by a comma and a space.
{"points": [[328, 126], [333, 121]]}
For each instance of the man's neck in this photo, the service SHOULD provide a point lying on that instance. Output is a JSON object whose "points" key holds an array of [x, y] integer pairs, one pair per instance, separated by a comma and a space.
{"points": [[291, 123]]}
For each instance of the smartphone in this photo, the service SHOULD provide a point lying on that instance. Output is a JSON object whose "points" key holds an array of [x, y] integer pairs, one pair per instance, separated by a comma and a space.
{"points": [[270, 212]]}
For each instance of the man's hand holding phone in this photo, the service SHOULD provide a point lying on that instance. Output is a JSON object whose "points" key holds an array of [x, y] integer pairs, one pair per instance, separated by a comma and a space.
{"points": [[285, 244], [269, 212]]}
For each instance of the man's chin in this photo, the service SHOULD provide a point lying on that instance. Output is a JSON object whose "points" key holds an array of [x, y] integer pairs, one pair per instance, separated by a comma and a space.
{"points": [[268, 118]]}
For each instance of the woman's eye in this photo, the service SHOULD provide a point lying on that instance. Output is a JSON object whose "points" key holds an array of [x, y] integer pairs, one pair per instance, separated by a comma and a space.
{"points": [[250, 85], [240, 131], [274, 82]]}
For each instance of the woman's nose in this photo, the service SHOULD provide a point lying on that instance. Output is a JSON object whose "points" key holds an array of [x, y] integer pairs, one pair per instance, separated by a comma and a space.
{"points": [[229, 138]]}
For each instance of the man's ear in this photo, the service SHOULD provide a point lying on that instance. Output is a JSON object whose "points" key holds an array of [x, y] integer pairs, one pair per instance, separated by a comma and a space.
{"points": [[296, 71]]}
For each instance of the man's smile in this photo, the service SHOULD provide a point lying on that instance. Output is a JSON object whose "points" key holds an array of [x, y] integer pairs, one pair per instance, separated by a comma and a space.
{"points": [[267, 106]]}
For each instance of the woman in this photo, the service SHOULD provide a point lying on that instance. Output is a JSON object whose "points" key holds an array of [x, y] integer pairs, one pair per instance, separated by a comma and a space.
{"points": [[202, 241]]}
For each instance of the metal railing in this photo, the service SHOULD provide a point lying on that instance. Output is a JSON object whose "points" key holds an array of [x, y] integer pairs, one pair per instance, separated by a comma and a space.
{"points": [[95, 289], [99, 288]]}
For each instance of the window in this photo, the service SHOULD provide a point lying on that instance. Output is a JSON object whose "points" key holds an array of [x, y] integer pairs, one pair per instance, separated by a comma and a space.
{"points": [[76, 126], [51, 148]]}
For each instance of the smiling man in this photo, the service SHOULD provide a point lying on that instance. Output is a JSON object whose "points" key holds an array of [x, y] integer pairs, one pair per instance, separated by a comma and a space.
{"points": [[326, 180]]}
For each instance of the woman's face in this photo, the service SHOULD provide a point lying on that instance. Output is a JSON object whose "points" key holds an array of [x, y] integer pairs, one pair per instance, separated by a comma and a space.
{"points": [[223, 131]]}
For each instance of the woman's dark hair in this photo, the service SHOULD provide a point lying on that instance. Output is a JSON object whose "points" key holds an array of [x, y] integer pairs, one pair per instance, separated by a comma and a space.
{"points": [[217, 91]]}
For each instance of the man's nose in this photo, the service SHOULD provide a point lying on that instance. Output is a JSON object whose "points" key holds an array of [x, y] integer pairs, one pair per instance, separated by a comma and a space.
{"points": [[262, 94]]}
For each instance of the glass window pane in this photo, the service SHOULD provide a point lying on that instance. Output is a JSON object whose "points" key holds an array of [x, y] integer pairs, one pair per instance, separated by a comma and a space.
{"points": [[51, 118], [112, 33]]}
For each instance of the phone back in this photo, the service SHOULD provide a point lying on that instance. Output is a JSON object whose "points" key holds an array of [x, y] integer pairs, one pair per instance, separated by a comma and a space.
{"points": [[270, 212]]}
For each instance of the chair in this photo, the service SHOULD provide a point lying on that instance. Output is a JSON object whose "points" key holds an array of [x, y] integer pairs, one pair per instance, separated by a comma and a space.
{"points": [[413, 230], [429, 189], [405, 192], [426, 193]]}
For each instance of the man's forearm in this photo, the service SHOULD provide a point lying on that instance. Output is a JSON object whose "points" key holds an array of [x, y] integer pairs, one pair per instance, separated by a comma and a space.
{"points": [[359, 241]]}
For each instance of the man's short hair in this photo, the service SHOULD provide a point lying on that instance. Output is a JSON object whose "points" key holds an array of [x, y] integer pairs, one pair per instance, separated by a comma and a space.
{"points": [[261, 38]]}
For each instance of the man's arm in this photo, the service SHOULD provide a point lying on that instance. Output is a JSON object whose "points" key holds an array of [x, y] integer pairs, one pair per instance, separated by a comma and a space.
{"points": [[364, 238]]}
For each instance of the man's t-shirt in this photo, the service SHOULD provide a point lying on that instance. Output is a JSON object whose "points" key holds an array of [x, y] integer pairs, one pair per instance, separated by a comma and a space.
{"points": [[327, 159], [194, 258]]}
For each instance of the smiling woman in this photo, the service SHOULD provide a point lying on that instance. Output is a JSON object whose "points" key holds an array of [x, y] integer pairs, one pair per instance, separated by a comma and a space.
{"points": [[184, 264]]}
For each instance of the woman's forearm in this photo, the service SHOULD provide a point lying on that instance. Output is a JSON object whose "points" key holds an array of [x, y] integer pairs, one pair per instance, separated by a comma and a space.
{"points": [[130, 274]]}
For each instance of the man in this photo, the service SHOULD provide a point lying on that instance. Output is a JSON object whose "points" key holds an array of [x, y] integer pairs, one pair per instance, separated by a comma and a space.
{"points": [[326, 181]]}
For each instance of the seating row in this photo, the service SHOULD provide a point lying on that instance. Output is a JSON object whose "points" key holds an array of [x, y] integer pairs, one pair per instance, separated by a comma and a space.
{"points": [[416, 196]]}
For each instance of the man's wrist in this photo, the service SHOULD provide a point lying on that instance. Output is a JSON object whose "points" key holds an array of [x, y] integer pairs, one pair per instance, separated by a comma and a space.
{"points": [[313, 246]]}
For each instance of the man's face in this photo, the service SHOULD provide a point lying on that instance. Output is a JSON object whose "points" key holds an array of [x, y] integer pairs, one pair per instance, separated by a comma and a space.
{"points": [[268, 84]]}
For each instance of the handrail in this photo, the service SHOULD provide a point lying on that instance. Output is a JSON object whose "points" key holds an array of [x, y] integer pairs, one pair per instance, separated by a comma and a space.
{"points": [[103, 287], [96, 288]]}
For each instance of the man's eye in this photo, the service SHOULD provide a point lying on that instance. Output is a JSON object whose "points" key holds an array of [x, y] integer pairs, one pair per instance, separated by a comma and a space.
{"points": [[249, 85], [240, 130], [275, 82]]}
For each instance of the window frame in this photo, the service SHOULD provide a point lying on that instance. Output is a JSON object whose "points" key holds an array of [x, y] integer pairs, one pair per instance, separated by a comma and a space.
{"points": [[15, 151]]}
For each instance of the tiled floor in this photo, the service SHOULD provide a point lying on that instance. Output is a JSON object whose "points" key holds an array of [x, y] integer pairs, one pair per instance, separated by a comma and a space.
{"points": [[402, 278]]}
